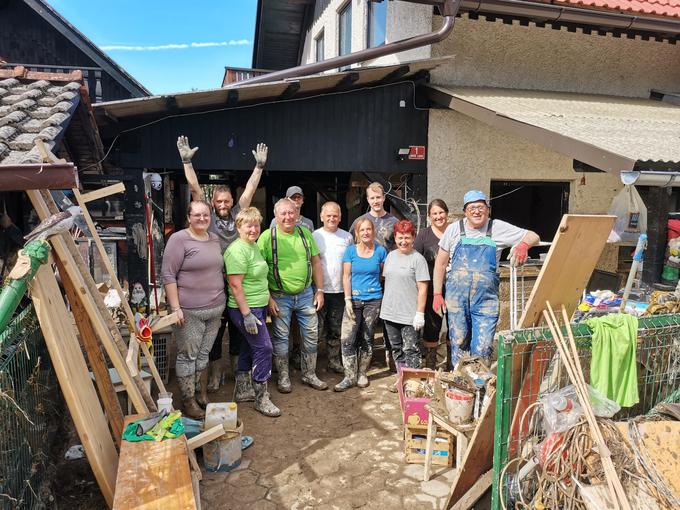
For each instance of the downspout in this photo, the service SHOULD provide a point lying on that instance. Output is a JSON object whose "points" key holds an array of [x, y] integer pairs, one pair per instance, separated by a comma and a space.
{"points": [[448, 9]]}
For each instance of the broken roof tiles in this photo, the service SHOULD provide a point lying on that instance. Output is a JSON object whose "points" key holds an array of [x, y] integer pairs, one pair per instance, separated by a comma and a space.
{"points": [[32, 109]]}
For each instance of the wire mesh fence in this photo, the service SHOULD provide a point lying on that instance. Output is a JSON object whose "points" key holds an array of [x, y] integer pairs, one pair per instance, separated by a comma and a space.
{"points": [[528, 368], [28, 413]]}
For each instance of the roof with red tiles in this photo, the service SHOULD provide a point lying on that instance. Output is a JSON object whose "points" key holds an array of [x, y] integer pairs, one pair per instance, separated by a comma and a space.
{"points": [[666, 8]]}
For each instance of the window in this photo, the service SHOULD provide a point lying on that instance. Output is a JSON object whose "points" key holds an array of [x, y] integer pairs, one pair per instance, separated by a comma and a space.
{"points": [[319, 47], [345, 30], [377, 22]]}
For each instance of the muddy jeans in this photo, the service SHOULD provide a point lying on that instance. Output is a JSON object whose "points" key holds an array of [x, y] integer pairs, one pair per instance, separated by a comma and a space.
{"points": [[302, 306], [357, 335], [405, 344], [330, 319], [195, 339]]}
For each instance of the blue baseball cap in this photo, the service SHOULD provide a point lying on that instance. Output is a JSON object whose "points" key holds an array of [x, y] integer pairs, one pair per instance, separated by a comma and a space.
{"points": [[475, 196]]}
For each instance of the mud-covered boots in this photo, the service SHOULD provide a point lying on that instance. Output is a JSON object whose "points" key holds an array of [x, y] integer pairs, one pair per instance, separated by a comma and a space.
{"points": [[334, 361], [233, 363], [215, 376], [364, 363], [349, 364], [243, 389], [187, 386], [202, 388], [262, 402], [308, 363], [281, 363]]}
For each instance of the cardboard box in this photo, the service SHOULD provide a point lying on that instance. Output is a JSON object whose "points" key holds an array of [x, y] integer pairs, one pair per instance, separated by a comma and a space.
{"points": [[413, 409], [415, 442]]}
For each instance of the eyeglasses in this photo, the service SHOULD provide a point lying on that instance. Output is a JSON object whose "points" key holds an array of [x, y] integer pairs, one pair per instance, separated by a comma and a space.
{"points": [[476, 208], [200, 216]]}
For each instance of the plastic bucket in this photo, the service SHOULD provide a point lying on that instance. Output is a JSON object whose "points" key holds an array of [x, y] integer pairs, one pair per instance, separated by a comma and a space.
{"points": [[164, 402], [459, 404], [224, 453]]}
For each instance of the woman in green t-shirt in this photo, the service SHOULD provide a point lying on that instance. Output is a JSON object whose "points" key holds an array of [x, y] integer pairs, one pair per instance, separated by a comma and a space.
{"points": [[248, 299]]}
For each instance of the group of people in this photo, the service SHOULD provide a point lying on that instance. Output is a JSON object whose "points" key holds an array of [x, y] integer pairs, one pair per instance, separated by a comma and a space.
{"points": [[334, 282]]}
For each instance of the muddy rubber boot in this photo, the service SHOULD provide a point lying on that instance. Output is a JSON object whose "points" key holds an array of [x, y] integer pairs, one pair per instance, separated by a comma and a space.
{"points": [[243, 389], [202, 388], [364, 363], [187, 387], [350, 366], [215, 376], [334, 360], [283, 383], [233, 362], [262, 402], [308, 362]]}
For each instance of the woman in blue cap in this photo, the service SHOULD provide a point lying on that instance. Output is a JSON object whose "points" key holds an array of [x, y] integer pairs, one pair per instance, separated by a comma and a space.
{"points": [[473, 246]]}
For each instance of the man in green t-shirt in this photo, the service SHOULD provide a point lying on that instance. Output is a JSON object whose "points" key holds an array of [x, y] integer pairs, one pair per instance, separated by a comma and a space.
{"points": [[294, 263]]}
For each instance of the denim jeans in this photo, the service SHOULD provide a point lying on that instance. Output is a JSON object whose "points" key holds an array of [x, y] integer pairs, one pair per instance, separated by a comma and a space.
{"points": [[357, 334], [330, 319], [302, 306], [405, 344]]}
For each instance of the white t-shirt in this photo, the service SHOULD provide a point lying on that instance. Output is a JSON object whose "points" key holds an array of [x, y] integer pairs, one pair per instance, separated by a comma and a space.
{"points": [[504, 234], [332, 246]]}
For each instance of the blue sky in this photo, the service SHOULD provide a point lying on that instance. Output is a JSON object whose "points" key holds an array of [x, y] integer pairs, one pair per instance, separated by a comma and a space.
{"points": [[168, 46]]}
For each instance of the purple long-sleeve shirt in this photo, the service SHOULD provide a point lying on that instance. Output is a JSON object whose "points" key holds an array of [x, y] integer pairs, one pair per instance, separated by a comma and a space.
{"points": [[197, 268]]}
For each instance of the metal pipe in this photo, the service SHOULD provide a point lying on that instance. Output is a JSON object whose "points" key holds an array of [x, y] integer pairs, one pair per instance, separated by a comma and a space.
{"points": [[448, 9]]}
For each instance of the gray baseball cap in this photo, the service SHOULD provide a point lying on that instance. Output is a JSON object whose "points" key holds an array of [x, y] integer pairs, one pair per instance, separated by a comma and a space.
{"points": [[294, 190]]}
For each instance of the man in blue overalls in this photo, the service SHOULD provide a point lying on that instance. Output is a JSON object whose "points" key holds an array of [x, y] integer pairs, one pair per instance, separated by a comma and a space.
{"points": [[473, 246]]}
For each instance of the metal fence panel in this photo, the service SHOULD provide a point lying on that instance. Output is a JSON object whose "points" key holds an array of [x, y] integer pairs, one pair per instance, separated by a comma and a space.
{"points": [[535, 353]]}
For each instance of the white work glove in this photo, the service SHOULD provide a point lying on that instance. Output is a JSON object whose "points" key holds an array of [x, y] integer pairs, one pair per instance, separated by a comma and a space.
{"points": [[260, 155], [250, 323], [349, 309], [185, 152], [419, 321]]}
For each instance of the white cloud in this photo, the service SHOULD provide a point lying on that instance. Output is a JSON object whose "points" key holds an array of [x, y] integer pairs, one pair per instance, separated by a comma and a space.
{"points": [[180, 46]]}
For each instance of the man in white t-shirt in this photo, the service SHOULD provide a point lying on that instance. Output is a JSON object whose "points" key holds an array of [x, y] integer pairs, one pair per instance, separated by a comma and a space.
{"points": [[332, 242], [473, 246]]}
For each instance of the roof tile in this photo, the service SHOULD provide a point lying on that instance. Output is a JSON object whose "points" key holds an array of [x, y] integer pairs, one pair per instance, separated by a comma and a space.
{"points": [[667, 8]]}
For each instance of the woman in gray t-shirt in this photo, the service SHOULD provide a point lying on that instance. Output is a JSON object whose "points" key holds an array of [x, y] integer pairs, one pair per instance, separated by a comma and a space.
{"points": [[403, 305]]}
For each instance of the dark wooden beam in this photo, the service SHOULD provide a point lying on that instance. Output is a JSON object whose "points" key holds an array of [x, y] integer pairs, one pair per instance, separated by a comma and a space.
{"points": [[291, 90], [346, 82], [396, 74], [47, 176]]}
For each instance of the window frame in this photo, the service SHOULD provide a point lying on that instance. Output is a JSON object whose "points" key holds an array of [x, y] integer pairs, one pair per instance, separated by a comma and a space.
{"points": [[347, 6], [369, 24], [320, 39]]}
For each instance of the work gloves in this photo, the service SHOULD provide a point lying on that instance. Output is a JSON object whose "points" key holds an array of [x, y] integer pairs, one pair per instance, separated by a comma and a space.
{"points": [[349, 309], [260, 155], [250, 323], [419, 321], [186, 152], [519, 254]]}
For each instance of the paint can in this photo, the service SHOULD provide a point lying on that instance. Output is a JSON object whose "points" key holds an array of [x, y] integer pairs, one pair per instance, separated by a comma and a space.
{"points": [[459, 404], [224, 453]]}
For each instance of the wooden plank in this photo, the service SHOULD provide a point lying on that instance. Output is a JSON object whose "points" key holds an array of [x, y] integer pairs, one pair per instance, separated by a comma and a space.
{"points": [[95, 356], [116, 285], [164, 321], [479, 454], [154, 475], [662, 440], [74, 380], [570, 262], [66, 251], [206, 437], [477, 491], [103, 192]]}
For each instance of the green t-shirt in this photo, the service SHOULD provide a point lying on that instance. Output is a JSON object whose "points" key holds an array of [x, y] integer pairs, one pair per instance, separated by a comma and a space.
{"points": [[292, 258], [244, 258]]}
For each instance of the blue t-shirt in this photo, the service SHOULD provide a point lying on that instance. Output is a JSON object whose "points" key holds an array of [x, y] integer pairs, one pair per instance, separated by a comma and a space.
{"points": [[365, 272]]}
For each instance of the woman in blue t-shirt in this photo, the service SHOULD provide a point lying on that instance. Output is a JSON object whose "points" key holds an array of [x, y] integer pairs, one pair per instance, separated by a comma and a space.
{"points": [[361, 268]]}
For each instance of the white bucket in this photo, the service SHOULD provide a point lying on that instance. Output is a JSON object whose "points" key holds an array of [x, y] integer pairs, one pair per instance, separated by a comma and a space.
{"points": [[459, 404], [164, 402]]}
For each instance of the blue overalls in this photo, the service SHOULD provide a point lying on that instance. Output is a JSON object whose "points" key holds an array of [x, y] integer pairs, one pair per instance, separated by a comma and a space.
{"points": [[472, 295]]}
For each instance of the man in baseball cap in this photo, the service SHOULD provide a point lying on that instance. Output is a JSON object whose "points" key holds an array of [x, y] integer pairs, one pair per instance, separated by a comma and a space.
{"points": [[295, 194], [473, 246]]}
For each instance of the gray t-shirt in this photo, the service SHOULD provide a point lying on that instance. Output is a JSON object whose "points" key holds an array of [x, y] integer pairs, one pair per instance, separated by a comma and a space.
{"points": [[504, 234], [401, 273], [384, 228], [225, 229], [301, 222]]}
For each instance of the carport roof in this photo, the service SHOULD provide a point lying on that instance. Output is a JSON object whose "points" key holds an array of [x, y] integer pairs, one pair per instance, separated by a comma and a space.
{"points": [[607, 132]]}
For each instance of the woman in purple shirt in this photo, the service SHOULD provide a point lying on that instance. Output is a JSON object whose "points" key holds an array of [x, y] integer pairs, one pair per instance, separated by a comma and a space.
{"points": [[192, 273]]}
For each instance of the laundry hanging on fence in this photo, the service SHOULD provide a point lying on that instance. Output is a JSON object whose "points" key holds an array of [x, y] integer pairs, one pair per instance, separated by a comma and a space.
{"points": [[613, 366]]}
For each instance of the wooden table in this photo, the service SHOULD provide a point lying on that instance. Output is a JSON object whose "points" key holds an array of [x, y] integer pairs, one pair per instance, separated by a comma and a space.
{"points": [[437, 418], [154, 475]]}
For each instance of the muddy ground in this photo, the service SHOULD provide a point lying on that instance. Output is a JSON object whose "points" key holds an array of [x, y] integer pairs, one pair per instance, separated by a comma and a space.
{"points": [[328, 450]]}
